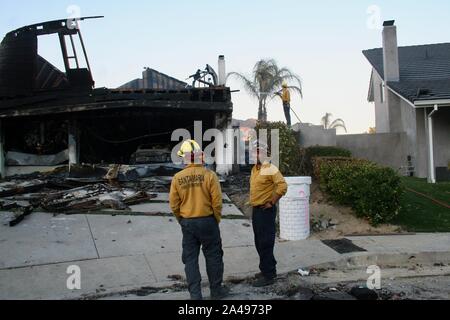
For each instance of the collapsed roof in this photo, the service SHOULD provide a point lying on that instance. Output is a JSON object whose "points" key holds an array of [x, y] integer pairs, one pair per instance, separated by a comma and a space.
{"points": [[30, 85], [48, 115], [23, 72]]}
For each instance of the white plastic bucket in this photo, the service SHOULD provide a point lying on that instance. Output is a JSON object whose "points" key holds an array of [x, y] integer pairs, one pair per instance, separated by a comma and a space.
{"points": [[294, 210]]}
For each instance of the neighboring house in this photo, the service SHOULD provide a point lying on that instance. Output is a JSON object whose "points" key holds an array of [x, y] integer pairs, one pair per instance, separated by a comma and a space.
{"points": [[410, 87]]}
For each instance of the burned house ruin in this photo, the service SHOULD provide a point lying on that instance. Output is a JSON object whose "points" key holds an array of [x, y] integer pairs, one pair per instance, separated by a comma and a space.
{"points": [[50, 117]]}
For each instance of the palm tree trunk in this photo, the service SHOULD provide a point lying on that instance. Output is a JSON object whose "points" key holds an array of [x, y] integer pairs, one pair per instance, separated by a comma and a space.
{"points": [[261, 112]]}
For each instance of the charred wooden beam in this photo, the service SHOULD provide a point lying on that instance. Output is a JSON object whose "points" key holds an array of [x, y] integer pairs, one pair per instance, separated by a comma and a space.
{"points": [[20, 216], [143, 104]]}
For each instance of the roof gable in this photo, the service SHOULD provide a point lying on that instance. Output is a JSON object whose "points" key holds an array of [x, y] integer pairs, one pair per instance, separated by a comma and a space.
{"points": [[424, 70]]}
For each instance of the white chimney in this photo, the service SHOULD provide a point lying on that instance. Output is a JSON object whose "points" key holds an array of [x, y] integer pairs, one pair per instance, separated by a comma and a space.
{"points": [[390, 52], [222, 71]]}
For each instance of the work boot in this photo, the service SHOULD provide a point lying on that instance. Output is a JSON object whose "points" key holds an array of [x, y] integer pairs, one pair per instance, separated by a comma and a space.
{"points": [[220, 294], [260, 275], [263, 282]]}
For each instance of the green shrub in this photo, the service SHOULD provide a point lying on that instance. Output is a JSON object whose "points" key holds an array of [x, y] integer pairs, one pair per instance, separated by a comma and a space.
{"points": [[318, 151], [372, 191], [290, 156], [318, 161]]}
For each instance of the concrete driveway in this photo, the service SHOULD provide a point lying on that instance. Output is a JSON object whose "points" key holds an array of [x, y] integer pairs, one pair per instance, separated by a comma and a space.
{"points": [[120, 253]]}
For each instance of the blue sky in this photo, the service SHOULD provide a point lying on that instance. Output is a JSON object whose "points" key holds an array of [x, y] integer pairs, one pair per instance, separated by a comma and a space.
{"points": [[319, 40]]}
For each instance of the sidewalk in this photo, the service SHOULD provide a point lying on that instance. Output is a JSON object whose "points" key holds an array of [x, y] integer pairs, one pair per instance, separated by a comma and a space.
{"points": [[128, 252]]}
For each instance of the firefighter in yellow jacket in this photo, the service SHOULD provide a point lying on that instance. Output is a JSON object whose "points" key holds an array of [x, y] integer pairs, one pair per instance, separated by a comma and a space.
{"points": [[285, 96], [267, 187], [196, 201]]}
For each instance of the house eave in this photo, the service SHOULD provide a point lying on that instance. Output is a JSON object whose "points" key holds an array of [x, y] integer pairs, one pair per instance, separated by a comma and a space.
{"points": [[428, 103], [401, 97]]}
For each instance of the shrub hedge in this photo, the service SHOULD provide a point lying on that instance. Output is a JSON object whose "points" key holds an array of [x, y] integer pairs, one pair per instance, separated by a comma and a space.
{"points": [[372, 191], [311, 153], [318, 151], [317, 163]]}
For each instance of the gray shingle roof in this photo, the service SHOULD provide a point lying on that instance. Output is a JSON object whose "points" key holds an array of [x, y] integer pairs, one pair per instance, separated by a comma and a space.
{"points": [[424, 71]]}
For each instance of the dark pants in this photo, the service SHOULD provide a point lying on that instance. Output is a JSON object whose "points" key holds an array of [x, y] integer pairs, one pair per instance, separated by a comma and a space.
{"points": [[265, 232], [205, 233], [287, 112]]}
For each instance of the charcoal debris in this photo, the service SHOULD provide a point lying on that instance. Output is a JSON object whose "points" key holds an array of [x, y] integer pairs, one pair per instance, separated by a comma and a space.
{"points": [[82, 189], [94, 197], [20, 215], [15, 187], [362, 293], [115, 190], [322, 224], [333, 296], [175, 277]]}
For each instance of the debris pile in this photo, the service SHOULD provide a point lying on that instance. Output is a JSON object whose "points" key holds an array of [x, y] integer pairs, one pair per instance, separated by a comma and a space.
{"points": [[237, 183], [322, 224], [78, 189], [93, 197]]}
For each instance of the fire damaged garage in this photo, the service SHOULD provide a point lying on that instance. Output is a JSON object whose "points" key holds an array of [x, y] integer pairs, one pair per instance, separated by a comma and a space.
{"points": [[51, 117]]}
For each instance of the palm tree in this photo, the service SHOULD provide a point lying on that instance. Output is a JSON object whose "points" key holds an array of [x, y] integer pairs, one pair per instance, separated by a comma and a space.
{"points": [[338, 123], [266, 81]]}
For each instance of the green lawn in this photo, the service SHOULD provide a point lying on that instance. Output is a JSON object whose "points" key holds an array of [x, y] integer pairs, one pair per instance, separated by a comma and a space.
{"points": [[419, 214]]}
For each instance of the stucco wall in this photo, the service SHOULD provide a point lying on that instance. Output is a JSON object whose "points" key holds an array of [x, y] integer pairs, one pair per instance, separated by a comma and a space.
{"points": [[388, 149], [395, 112], [381, 111], [310, 135], [408, 124]]}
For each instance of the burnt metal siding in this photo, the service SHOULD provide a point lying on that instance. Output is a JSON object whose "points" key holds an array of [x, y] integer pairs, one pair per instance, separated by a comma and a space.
{"points": [[152, 79], [48, 76], [18, 64], [133, 85]]}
